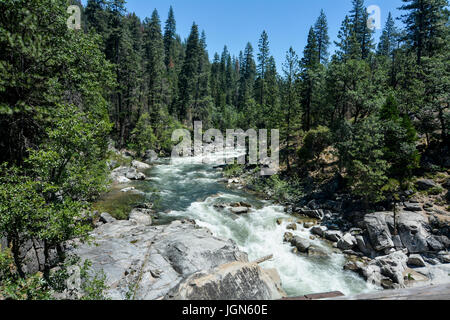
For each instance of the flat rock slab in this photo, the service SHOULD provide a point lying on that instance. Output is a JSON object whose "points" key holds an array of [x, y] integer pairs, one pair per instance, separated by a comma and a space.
{"points": [[144, 263]]}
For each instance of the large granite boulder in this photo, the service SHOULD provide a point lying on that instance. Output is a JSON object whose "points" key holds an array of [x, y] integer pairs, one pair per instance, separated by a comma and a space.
{"points": [[301, 244], [412, 231], [140, 165], [347, 242], [144, 262], [125, 174], [232, 281], [416, 260], [378, 231], [319, 230], [364, 245], [141, 216], [386, 271], [315, 214], [333, 235]]}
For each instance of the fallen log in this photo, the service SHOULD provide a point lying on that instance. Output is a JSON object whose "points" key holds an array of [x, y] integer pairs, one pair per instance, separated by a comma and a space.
{"points": [[263, 259]]}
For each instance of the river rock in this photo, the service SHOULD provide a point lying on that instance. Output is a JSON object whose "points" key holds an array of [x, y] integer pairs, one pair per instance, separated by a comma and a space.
{"points": [[386, 271], [129, 173], [434, 244], [445, 258], [416, 260], [107, 218], [364, 246], [240, 204], [122, 180], [333, 236], [378, 231], [288, 237], [140, 165], [355, 266], [292, 226], [141, 217], [309, 225], [347, 242], [315, 214], [319, 230], [240, 210], [129, 189], [135, 175], [313, 205], [301, 244], [315, 251], [232, 281], [31, 253], [412, 231], [150, 156], [145, 262]]}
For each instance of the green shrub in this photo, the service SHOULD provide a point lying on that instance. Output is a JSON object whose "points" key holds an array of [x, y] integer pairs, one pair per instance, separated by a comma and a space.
{"points": [[13, 286], [233, 170], [314, 143]]}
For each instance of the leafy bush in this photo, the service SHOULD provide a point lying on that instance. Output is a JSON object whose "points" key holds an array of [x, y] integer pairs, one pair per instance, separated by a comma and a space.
{"points": [[93, 285], [314, 143], [142, 137], [279, 189], [233, 170], [13, 286]]}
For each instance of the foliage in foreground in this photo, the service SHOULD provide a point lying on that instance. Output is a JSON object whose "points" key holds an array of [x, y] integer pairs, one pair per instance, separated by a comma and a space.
{"points": [[38, 287]]}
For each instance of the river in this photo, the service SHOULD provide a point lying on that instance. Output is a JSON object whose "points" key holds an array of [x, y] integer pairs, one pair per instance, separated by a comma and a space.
{"points": [[187, 190]]}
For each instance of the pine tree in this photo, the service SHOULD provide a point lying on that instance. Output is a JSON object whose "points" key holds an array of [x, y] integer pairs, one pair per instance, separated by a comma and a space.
{"points": [[322, 37], [97, 17], [203, 101], [426, 25], [347, 46], [155, 68], [291, 70], [270, 110], [364, 35], [309, 63], [188, 75], [247, 79], [170, 30], [263, 60], [362, 155], [400, 139], [389, 38], [172, 57]]}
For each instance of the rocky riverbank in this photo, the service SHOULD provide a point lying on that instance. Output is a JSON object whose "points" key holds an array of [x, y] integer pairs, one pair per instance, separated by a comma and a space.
{"points": [[184, 261], [410, 249], [176, 261]]}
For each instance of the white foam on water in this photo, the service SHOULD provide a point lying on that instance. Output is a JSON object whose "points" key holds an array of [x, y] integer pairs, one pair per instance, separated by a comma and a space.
{"points": [[258, 234]]}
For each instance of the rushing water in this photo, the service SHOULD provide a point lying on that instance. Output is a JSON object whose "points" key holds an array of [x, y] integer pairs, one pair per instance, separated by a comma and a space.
{"points": [[189, 190]]}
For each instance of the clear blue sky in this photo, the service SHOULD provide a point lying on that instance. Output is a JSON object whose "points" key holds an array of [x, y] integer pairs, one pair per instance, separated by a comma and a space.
{"points": [[235, 22]]}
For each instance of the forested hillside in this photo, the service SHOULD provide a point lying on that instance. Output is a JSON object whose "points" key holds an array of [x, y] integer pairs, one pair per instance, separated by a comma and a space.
{"points": [[376, 109]]}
